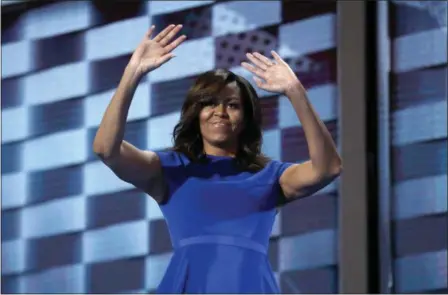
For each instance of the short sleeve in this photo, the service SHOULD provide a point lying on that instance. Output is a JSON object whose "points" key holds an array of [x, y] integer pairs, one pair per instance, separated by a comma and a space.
{"points": [[173, 170], [278, 168]]}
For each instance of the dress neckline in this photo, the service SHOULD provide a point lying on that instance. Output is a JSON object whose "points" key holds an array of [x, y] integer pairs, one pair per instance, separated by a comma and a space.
{"points": [[215, 157]]}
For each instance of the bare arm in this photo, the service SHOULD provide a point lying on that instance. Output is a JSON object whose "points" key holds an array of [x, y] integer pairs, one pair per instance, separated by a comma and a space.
{"points": [[324, 165], [126, 161], [140, 168]]}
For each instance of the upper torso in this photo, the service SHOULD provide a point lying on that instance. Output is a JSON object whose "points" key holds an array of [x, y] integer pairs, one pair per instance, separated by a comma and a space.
{"points": [[213, 206]]}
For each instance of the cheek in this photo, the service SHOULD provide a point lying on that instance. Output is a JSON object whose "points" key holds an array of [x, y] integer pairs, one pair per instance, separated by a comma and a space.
{"points": [[203, 117], [238, 120]]}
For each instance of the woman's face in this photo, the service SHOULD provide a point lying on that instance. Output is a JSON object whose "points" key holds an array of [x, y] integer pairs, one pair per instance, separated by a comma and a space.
{"points": [[221, 119]]}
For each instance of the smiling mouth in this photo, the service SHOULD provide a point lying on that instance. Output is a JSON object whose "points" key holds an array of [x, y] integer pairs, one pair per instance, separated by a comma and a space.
{"points": [[220, 124]]}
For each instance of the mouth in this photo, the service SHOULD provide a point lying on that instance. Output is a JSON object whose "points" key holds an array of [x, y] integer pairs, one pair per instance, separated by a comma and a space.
{"points": [[221, 124]]}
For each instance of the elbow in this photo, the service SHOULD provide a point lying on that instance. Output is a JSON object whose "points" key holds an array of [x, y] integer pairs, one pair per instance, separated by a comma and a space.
{"points": [[335, 168], [98, 147], [102, 151], [337, 171]]}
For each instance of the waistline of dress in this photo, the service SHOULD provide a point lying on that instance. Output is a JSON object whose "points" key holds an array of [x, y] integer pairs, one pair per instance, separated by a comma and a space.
{"points": [[236, 241]]}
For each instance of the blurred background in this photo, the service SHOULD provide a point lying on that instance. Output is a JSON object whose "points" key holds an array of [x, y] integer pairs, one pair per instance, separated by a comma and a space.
{"points": [[68, 225]]}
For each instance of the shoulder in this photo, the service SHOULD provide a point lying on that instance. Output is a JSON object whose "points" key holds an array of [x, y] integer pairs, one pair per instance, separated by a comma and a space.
{"points": [[277, 167], [171, 158], [274, 169]]}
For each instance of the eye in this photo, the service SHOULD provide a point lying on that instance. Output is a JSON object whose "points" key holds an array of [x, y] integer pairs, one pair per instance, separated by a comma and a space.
{"points": [[208, 103], [234, 105]]}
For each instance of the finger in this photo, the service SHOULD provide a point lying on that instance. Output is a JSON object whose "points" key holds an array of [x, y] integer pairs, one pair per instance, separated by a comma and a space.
{"points": [[166, 58], [170, 47], [150, 31], [257, 62], [165, 40], [263, 59], [253, 69], [277, 57], [163, 33]]}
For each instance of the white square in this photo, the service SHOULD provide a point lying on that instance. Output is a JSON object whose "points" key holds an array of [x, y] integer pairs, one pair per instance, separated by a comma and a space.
{"points": [[16, 58], [307, 36], [58, 83], [39, 220], [58, 18], [100, 179], [120, 241], [55, 150], [116, 39], [14, 124], [164, 7], [95, 105]]}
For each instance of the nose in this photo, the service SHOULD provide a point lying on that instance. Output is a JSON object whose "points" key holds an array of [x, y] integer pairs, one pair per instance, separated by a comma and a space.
{"points": [[220, 110]]}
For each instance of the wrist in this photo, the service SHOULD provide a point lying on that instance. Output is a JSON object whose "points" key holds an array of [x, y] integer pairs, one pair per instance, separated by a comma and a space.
{"points": [[132, 73], [294, 88]]}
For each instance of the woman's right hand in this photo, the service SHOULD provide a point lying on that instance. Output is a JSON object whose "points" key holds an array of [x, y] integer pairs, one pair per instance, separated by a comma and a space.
{"points": [[152, 53]]}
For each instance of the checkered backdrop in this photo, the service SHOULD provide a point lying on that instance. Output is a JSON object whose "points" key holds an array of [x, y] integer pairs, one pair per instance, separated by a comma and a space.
{"points": [[70, 225], [417, 171]]}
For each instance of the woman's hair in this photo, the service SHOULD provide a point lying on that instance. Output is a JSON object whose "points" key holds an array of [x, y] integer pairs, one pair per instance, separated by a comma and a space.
{"points": [[187, 135]]}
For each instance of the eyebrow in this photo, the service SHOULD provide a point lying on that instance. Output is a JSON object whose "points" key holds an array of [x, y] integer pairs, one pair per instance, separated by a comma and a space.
{"points": [[232, 98]]}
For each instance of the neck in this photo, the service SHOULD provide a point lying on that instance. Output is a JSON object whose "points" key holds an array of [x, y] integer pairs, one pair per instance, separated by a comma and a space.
{"points": [[219, 151]]}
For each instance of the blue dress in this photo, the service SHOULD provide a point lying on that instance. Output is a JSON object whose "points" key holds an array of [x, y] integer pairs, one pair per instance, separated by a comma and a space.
{"points": [[220, 219]]}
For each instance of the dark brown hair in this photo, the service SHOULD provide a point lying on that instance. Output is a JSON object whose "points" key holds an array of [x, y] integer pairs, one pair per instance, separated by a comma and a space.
{"points": [[187, 135]]}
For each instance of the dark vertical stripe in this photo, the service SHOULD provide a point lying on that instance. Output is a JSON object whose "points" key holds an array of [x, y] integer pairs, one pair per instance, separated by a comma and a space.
{"points": [[113, 11], [196, 21], [420, 235], [106, 74], [11, 157], [48, 53], [56, 117], [167, 97], [10, 283], [269, 112], [110, 209], [311, 214], [419, 87], [55, 183], [115, 276], [415, 17], [159, 237], [54, 251], [294, 145], [136, 133], [419, 160], [310, 281], [10, 224], [372, 143], [12, 92], [293, 10]]}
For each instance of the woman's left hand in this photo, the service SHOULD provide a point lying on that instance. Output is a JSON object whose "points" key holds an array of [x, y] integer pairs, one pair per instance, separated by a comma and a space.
{"points": [[274, 76]]}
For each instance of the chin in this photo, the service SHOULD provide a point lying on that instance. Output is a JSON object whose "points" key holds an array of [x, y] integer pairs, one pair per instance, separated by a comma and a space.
{"points": [[220, 140]]}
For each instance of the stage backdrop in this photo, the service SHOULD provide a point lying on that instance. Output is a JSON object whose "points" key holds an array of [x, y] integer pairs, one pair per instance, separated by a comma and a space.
{"points": [[68, 224], [415, 104]]}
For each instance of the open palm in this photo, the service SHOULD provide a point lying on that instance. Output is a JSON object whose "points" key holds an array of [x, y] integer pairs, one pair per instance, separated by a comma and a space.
{"points": [[274, 76], [152, 53]]}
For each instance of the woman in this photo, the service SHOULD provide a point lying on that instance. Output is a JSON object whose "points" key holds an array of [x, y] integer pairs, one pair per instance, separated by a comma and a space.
{"points": [[218, 193]]}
